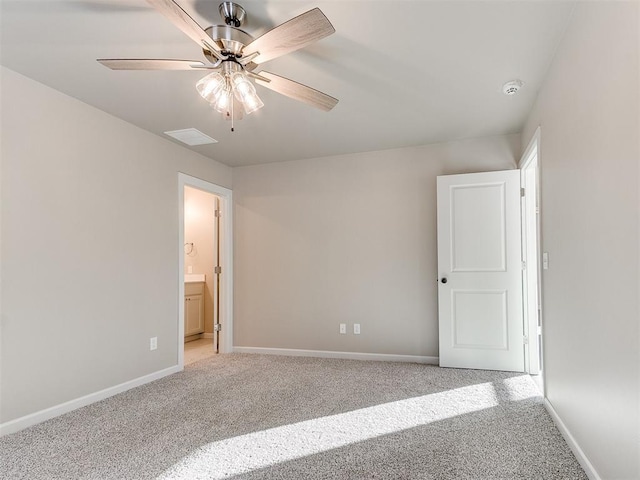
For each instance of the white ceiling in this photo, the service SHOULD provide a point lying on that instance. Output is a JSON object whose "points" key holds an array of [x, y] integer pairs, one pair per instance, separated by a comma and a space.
{"points": [[406, 72]]}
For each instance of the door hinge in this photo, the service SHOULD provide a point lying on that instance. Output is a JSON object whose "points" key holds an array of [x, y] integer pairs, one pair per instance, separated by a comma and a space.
{"points": [[524, 265], [217, 213], [217, 327], [522, 192], [217, 270], [525, 340]]}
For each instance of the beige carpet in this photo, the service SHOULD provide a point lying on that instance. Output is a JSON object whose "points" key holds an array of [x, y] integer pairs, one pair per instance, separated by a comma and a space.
{"points": [[252, 416]]}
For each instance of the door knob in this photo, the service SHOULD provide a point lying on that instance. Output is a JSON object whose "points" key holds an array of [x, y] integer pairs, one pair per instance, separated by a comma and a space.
{"points": [[444, 280]]}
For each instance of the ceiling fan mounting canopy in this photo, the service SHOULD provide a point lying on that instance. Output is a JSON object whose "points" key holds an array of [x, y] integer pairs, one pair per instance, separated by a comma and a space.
{"points": [[232, 14]]}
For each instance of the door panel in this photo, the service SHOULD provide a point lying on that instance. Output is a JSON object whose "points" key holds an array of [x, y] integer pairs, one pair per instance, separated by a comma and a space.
{"points": [[478, 241], [480, 277], [479, 319]]}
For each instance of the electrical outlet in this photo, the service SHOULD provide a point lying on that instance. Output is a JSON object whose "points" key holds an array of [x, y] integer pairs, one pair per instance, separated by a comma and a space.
{"points": [[190, 269], [356, 329], [153, 343], [343, 328]]}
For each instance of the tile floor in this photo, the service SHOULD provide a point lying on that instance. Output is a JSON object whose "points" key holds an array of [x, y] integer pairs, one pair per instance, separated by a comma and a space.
{"points": [[198, 350]]}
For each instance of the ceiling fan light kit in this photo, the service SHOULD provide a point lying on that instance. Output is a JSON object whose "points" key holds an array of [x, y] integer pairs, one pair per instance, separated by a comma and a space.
{"points": [[233, 54], [219, 89]]}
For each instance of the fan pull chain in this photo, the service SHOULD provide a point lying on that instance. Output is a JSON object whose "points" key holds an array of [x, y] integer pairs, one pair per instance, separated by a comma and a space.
{"points": [[232, 102]]}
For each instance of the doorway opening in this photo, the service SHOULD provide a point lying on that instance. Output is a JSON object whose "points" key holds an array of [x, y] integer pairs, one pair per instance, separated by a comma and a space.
{"points": [[202, 274], [530, 182], [204, 318]]}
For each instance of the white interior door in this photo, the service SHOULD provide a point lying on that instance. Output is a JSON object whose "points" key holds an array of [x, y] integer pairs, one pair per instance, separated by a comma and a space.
{"points": [[480, 271]]}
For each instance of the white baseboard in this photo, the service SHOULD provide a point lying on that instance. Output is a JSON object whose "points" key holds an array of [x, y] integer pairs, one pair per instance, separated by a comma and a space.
{"points": [[57, 410], [384, 357], [197, 336], [571, 441]]}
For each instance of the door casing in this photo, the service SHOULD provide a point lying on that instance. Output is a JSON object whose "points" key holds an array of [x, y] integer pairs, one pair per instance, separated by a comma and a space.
{"points": [[532, 254]]}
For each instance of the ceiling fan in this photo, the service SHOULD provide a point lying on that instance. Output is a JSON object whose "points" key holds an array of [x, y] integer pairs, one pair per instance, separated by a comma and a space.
{"points": [[234, 55]]}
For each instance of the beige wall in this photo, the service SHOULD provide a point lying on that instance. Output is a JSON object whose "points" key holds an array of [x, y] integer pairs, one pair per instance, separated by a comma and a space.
{"points": [[199, 229], [588, 110], [89, 247], [346, 239]]}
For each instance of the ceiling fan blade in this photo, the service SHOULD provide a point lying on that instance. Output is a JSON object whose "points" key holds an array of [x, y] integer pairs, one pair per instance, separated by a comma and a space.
{"points": [[297, 91], [297, 33], [149, 64], [184, 22]]}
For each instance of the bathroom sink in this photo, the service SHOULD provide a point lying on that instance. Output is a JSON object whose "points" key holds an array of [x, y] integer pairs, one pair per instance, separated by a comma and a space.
{"points": [[194, 277]]}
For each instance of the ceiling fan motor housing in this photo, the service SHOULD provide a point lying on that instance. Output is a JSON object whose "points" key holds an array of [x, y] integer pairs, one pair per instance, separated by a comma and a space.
{"points": [[230, 39]]}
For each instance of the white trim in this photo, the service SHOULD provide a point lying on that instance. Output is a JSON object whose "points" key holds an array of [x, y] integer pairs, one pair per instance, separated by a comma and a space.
{"points": [[571, 441], [21, 423], [531, 160], [200, 336], [226, 302], [532, 147], [381, 357]]}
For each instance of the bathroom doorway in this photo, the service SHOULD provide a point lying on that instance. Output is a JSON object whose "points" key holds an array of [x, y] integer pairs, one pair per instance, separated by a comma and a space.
{"points": [[202, 274], [205, 270]]}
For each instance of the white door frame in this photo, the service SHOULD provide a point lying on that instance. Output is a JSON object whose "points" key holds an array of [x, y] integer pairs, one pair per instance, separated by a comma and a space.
{"points": [[226, 242], [532, 276]]}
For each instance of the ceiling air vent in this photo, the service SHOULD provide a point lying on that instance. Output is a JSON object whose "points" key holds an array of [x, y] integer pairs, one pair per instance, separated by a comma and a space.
{"points": [[191, 137]]}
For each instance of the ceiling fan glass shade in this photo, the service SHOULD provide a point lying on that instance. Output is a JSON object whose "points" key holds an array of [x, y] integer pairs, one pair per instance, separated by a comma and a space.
{"points": [[211, 86], [223, 101], [245, 92]]}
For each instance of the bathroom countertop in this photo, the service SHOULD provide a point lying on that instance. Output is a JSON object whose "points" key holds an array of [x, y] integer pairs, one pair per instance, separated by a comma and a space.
{"points": [[194, 277]]}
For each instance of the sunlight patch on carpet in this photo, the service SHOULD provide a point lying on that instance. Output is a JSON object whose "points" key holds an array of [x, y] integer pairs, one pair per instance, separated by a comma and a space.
{"points": [[237, 455], [515, 390]]}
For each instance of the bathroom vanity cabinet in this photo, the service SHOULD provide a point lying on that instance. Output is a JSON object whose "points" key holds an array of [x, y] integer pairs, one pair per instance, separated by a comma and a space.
{"points": [[193, 308]]}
